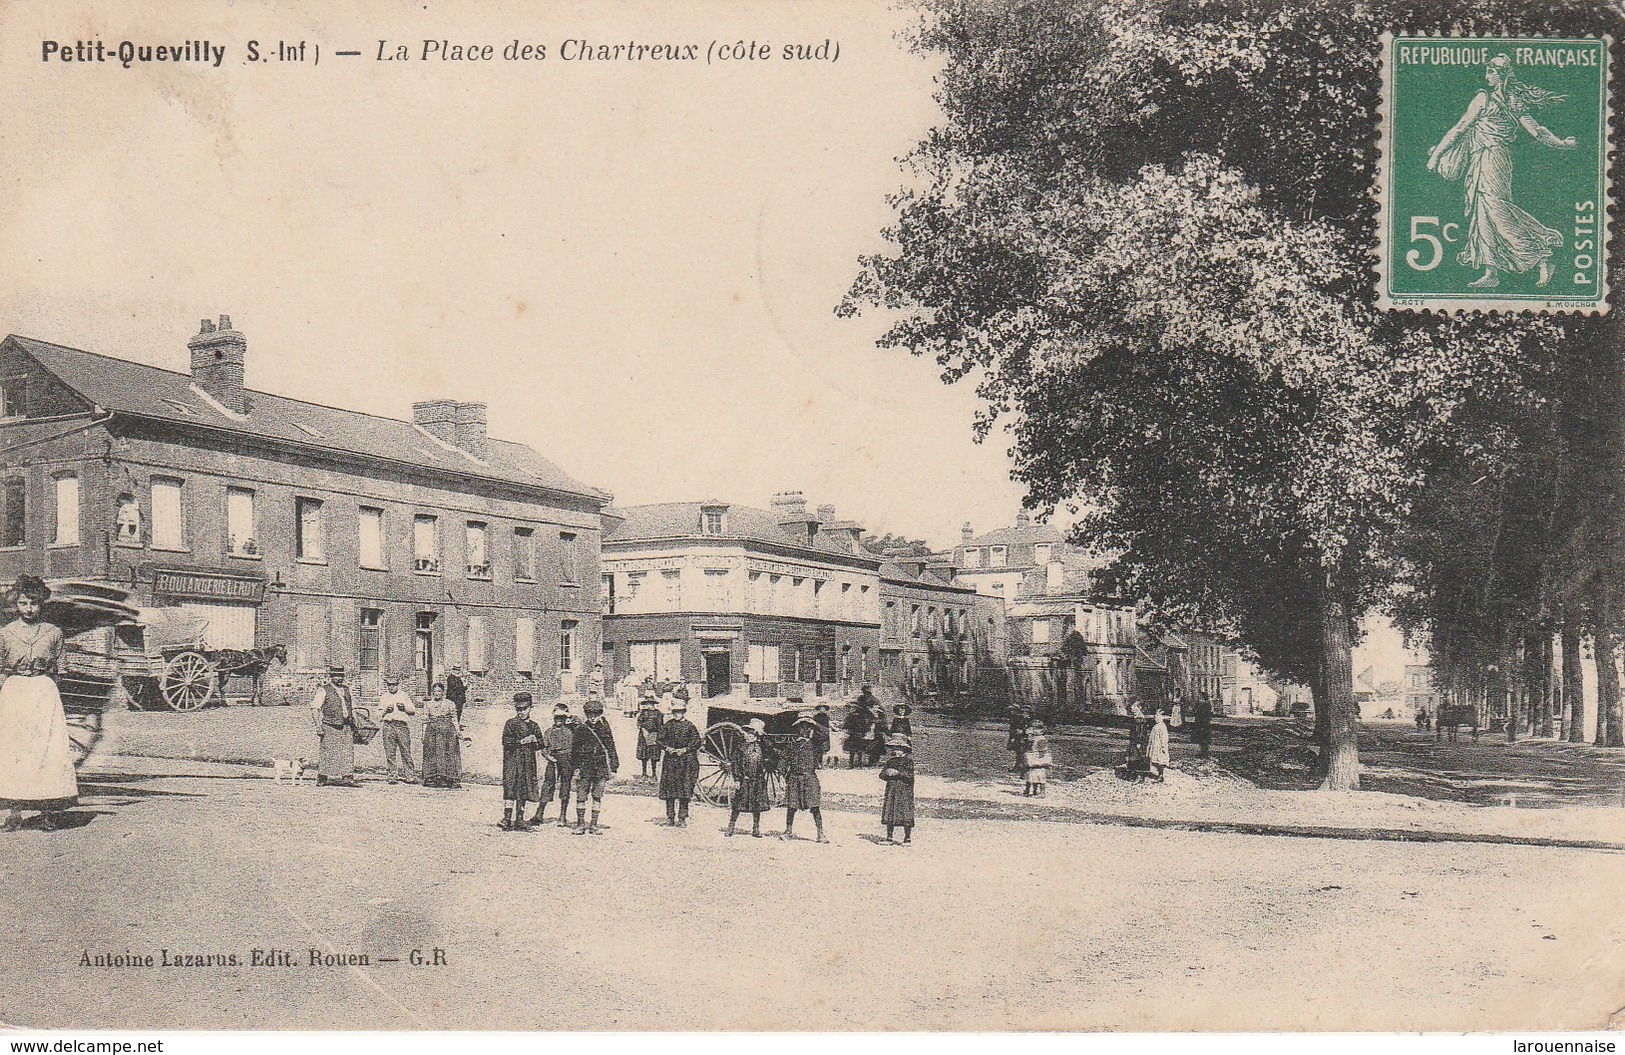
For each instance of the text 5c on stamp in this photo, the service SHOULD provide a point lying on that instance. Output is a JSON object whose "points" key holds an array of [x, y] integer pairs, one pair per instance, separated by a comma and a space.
{"points": [[1493, 174]]}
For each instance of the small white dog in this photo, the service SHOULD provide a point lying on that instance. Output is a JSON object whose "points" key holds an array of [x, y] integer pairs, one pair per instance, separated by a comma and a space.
{"points": [[294, 769]]}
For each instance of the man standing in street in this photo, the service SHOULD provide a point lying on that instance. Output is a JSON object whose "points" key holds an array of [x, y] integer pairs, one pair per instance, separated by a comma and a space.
{"points": [[396, 709], [1202, 723], [593, 760], [457, 690], [334, 711], [679, 742], [557, 743]]}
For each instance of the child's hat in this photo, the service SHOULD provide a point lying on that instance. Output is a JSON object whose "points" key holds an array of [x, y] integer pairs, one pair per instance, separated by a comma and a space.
{"points": [[758, 726], [521, 699], [560, 709]]}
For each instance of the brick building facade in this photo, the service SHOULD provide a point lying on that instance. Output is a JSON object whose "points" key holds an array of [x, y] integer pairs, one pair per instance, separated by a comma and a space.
{"points": [[381, 544]]}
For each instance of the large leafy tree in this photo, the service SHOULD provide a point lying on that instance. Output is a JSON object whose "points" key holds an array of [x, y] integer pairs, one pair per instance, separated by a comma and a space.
{"points": [[1145, 232]]}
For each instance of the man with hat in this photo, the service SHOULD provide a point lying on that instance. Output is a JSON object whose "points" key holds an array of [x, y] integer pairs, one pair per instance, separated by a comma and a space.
{"points": [[395, 711], [593, 760], [521, 738], [334, 710], [557, 744], [801, 787], [679, 743]]}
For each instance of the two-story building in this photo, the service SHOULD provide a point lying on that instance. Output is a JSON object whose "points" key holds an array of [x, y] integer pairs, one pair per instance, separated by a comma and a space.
{"points": [[732, 599], [378, 543], [933, 638]]}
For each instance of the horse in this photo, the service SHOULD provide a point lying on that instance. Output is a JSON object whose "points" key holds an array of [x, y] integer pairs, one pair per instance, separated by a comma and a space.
{"points": [[250, 663]]}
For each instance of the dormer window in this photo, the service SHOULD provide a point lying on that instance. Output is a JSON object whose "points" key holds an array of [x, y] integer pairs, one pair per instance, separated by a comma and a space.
{"points": [[713, 521], [12, 404]]}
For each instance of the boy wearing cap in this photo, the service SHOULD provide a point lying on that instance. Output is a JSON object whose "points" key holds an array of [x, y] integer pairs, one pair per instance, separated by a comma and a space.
{"points": [[395, 711], [334, 710], [750, 778], [557, 743], [592, 761], [679, 743], [801, 787], [521, 738]]}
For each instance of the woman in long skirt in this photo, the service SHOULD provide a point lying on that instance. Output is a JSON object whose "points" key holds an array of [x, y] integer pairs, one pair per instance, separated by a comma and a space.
{"points": [[897, 809], [442, 742], [36, 756]]}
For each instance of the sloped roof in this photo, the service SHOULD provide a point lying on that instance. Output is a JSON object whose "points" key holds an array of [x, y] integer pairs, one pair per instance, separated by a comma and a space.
{"points": [[899, 572], [668, 520], [1015, 536], [153, 392]]}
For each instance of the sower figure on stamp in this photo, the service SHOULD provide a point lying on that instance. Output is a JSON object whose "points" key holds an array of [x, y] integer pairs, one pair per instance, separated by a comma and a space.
{"points": [[593, 760], [802, 790], [334, 710], [521, 739], [557, 743], [750, 778], [680, 743], [1478, 150], [396, 710]]}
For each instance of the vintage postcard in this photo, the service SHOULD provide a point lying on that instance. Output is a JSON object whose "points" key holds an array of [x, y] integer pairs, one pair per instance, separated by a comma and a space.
{"points": [[1484, 206], [810, 516]]}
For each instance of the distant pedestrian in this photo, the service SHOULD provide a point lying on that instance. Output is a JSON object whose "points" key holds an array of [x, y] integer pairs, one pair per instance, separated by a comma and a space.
{"points": [[1016, 740], [593, 760], [879, 730], [334, 710], [897, 808], [557, 743], [595, 682], [680, 695], [855, 727], [802, 790], [824, 737], [396, 710], [679, 744], [902, 722], [1036, 760], [521, 738], [1135, 767], [1202, 724], [1156, 749], [457, 690], [649, 722], [442, 742], [749, 763]]}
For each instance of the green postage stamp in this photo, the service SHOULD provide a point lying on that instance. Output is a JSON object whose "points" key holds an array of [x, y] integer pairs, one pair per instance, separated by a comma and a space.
{"points": [[1493, 174]]}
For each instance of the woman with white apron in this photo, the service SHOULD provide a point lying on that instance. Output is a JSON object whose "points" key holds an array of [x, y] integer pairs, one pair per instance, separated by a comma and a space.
{"points": [[36, 757]]}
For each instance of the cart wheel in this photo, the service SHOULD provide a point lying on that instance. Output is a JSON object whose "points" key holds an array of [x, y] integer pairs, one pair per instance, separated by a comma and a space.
{"points": [[716, 783], [84, 731], [188, 681]]}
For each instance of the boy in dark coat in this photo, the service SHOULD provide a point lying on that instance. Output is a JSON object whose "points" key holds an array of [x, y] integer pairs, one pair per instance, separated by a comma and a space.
{"points": [[897, 809], [650, 721], [679, 742], [521, 738], [593, 760], [557, 743], [802, 790], [749, 763]]}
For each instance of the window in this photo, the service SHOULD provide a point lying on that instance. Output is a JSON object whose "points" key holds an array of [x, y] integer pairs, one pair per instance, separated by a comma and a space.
{"points": [[422, 640], [932, 628], [425, 543], [606, 593], [476, 643], [567, 646], [310, 636], [845, 611], [753, 592], [12, 403], [14, 518], [661, 660], [370, 536], [168, 516], [889, 626], [524, 554], [1041, 552], [1041, 631], [67, 510], [568, 571], [308, 541], [763, 664], [716, 589], [240, 535], [127, 521], [479, 560], [370, 637], [997, 556], [712, 524], [524, 645], [973, 558], [671, 583]]}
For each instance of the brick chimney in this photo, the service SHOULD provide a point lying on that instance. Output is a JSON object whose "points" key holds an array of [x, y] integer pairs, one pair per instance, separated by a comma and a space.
{"points": [[470, 429], [218, 356], [789, 504], [437, 417], [966, 534], [826, 515], [1023, 519]]}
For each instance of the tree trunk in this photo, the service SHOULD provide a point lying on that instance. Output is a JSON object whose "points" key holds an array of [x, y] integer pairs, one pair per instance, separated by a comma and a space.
{"points": [[1574, 700], [1610, 728], [1503, 696], [1548, 687], [1341, 761]]}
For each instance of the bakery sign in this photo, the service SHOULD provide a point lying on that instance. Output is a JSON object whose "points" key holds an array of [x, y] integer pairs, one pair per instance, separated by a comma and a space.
{"points": [[204, 586]]}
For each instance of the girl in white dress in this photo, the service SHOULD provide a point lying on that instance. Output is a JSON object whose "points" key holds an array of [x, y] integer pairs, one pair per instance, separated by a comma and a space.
{"points": [[36, 757]]}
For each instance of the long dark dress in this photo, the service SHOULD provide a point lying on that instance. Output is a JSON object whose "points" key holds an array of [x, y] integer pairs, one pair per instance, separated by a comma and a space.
{"points": [[897, 810], [442, 746], [856, 727], [650, 723], [750, 771], [678, 772], [519, 759], [802, 790]]}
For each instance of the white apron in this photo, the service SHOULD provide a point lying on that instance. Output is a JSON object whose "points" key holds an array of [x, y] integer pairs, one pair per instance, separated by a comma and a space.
{"points": [[36, 757]]}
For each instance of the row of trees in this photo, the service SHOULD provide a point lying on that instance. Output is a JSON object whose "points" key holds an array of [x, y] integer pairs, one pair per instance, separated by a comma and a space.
{"points": [[1145, 231]]}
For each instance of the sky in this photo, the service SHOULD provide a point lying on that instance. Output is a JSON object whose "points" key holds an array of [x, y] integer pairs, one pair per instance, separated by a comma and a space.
{"points": [[635, 265]]}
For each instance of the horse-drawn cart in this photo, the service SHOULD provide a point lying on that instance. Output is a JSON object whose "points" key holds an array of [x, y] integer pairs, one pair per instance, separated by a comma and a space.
{"points": [[719, 748]]}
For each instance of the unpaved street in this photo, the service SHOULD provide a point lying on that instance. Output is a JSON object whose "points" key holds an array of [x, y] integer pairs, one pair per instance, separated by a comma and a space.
{"points": [[983, 924]]}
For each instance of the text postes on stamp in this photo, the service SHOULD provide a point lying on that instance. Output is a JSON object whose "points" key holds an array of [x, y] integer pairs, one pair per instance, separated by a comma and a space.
{"points": [[1493, 174]]}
